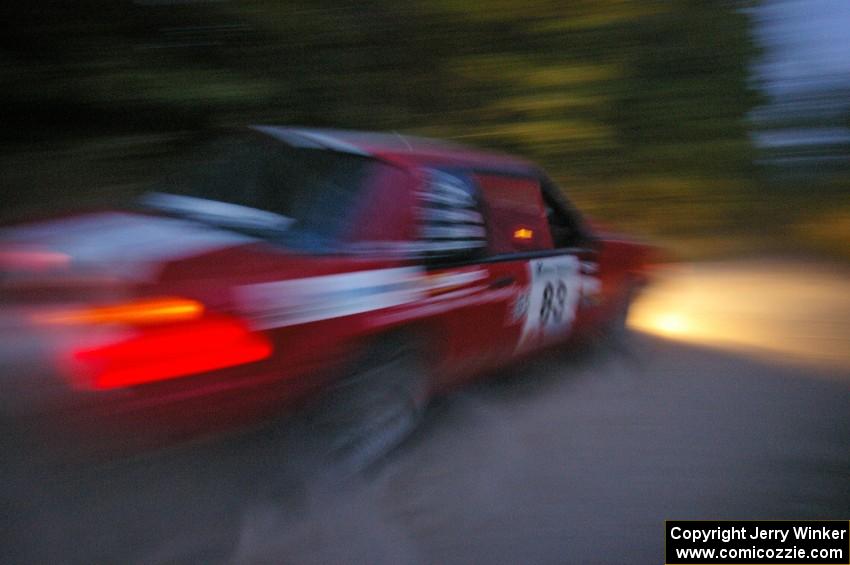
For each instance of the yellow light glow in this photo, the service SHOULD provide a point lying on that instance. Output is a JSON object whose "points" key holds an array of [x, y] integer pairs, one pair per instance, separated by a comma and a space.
{"points": [[146, 311], [671, 323], [523, 233], [775, 310]]}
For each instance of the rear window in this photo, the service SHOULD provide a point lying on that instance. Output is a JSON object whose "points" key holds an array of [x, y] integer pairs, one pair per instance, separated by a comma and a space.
{"points": [[316, 189]]}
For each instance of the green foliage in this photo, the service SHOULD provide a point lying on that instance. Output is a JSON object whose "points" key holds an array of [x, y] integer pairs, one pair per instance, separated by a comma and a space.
{"points": [[637, 106]]}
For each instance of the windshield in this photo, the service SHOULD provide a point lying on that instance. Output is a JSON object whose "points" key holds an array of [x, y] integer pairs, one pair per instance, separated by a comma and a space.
{"points": [[269, 188]]}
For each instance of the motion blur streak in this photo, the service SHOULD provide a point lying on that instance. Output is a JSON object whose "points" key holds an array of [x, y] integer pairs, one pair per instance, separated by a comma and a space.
{"points": [[32, 259], [797, 312], [148, 311], [167, 353]]}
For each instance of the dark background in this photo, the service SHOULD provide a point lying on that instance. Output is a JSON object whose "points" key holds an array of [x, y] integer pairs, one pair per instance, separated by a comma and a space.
{"points": [[647, 112]]}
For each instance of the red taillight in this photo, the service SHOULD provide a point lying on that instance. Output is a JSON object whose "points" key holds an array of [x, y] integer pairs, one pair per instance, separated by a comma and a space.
{"points": [[169, 352]]}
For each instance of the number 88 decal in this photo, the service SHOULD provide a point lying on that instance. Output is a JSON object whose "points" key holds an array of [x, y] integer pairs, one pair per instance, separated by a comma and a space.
{"points": [[554, 300], [554, 294]]}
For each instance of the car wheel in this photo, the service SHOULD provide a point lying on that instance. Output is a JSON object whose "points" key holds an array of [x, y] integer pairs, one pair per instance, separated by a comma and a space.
{"points": [[617, 330], [375, 407]]}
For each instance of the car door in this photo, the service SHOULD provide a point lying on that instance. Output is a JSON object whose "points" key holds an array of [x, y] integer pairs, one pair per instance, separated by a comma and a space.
{"points": [[466, 298], [529, 246]]}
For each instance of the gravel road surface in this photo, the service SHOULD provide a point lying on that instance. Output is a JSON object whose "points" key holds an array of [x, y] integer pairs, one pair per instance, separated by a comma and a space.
{"points": [[574, 458]]}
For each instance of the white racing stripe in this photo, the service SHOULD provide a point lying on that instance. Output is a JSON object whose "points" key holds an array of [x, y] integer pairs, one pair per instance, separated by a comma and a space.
{"points": [[285, 303], [300, 301]]}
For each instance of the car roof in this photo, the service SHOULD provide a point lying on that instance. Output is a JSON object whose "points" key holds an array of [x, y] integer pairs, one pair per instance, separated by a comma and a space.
{"points": [[394, 147]]}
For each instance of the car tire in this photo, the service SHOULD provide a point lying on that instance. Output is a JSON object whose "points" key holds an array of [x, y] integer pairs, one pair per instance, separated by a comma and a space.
{"points": [[371, 410], [616, 330]]}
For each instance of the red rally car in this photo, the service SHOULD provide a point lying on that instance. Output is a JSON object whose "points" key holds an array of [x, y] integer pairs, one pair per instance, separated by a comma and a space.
{"points": [[378, 269]]}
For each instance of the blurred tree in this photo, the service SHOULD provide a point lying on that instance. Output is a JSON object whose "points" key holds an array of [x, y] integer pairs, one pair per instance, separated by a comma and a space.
{"points": [[637, 106]]}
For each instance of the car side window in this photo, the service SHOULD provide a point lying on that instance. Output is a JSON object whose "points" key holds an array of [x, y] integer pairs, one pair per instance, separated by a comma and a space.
{"points": [[450, 223], [564, 222], [516, 214]]}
